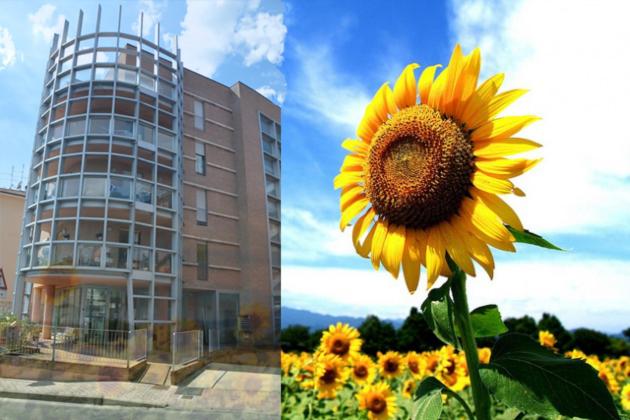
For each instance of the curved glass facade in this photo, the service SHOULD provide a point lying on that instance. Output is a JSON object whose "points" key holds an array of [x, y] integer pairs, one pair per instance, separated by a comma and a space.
{"points": [[104, 191]]}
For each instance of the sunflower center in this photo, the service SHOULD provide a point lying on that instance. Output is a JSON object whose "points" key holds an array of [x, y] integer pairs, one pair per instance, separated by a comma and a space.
{"points": [[377, 404], [360, 371], [340, 346], [391, 366], [413, 366], [419, 168], [329, 376]]}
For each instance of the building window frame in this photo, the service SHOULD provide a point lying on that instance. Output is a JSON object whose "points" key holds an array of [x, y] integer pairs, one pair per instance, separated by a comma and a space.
{"points": [[199, 117], [200, 158], [202, 261], [202, 207]]}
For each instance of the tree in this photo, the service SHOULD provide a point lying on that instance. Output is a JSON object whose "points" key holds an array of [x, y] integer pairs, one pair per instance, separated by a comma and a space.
{"points": [[377, 336], [295, 338], [590, 341], [524, 325], [626, 333], [314, 339], [552, 324], [415, 334]]}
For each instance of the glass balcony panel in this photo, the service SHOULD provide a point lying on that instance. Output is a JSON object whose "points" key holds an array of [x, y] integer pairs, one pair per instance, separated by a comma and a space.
{"points": [[43, 232], [90, 230], [99, 125], [89, 255], [270, 165], [124, 107], [142, 235], [272, 186], [164, 239], [118, 232], [42, 255], [78, 107], [92, 208], [146, 133], [103, 72], [95, 164], [55, 132], [85, 58], [163, 262], [147, 82], [122, 147], [144, 170], [144, 192], [128, 76], [273, 208], [121, 165], [62, 254], [94, 187], [120, 188], [48, 190], [274, 231], [116, 257], [65, 230], [63, 81], [51, 167], [71, 164], [83, 75], [164, 197], [123, 127], [84, 44], [69, 187], [108, 57], [166, 140], [141, 259]]}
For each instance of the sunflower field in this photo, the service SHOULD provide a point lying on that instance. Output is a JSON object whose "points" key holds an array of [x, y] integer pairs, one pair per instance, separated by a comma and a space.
{"points": [[337, 381]]}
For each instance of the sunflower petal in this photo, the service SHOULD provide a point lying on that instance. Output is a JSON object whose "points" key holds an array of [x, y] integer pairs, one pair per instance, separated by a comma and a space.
{"points": [[478, 250], [380, 233], [491, 184], [357, 147], [425, 82], [486, 225], [411, 261], [352, 211], [383, 102], [499, 207], [506, 168], [496, 105], [349, 195], [456, 248], [393, 249], [359, 228], [345, 179], [435, 256], [353, 163], [501, 128], [505, 147], [438, 89], [467, 81], [479, 100], [405, 87], [363, 249], [455, 66]]}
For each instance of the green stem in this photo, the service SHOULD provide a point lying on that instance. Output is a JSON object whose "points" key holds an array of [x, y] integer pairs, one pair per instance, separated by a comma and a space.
{"points": [[481, 398]]}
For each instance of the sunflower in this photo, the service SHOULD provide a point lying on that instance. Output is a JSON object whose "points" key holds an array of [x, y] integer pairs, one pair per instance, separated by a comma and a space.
{"points": [[484, 355], [341, 340], [430, 361], [330, 375], [413, 361], [379, 400], [390, 364], [423, 178], [409, 387], [547, 339], [625, 397], [452, 370], [363, 370]]}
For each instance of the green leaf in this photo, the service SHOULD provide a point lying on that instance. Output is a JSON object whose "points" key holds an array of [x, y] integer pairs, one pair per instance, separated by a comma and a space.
{"points": [[429, 406], [438, 312], [486, 321], [524, 375], [531, 238], [431, 384]]}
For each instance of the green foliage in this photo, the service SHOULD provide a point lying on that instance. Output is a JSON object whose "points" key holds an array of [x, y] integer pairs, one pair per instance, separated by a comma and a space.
{"points": [[590, 341], [523, 325], [438, 309], [486, 321], [295, 338], [626, 333], [415, 334], [429, 406], [531, 238], [377, 336], [552, 324], [524, 375]]}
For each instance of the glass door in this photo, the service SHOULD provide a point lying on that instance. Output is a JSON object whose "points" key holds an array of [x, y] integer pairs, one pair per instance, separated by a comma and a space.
{"points": [[228, 319], [95, 309]]}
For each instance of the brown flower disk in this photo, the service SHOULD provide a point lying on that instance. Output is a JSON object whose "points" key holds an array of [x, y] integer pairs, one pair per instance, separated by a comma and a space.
{"points": [[419, 168]]}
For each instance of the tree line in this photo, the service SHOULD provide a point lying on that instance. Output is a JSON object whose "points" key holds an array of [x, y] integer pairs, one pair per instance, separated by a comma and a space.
{"points": [[415, 335]]}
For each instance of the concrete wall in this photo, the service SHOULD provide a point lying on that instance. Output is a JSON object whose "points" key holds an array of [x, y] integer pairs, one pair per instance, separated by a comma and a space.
{"points": [[11, 212]]}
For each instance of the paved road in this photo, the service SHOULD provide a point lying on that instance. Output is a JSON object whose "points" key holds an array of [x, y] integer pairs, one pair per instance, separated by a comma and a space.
{"points": [[17, 409]]}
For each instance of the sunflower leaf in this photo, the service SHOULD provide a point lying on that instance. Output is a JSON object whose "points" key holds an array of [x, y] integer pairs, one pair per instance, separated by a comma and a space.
{"points": [[431, 384], [486, 321], [524, 375], [531, 238], [429, 406], [437, 310]]}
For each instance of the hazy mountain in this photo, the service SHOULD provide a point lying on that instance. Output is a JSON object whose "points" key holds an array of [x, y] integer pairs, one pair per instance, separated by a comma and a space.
{"points": [[316, 321]]}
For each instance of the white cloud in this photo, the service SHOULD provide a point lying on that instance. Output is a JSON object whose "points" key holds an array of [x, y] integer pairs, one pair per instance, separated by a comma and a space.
{"points": [[322, 92], [44, 24], [212, 30], [570, 54], [152, 12], [7, 49], [271, 93], [566, 287], [309, 238], [263, 36]]}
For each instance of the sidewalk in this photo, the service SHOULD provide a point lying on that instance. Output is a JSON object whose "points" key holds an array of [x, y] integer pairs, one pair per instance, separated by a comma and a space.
{"points": [[217, 388]]}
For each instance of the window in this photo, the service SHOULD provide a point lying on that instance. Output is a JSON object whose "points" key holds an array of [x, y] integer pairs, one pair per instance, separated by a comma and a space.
{"points": [[268, 144], [273, 208], [120, 188], [141, 259], [199, 118], [49, 190], [69, 187], [123, 127], [202, 261], [200, 158], [165, 140], [145, 133], [89, 255], [129, 76], [75, 127], [274, 231], [144, 192], [83, 75], [94, 187], [202, 212], [270, 165], [99, 125], [273, 186], [164, 197]]}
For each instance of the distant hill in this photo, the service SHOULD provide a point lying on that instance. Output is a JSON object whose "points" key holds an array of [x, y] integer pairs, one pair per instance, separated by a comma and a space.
{"points": [[316, 321]]}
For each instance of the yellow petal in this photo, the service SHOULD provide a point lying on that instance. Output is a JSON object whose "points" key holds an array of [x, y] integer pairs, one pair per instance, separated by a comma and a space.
{"points": [[380, 233], [456, 248], [438, 89], [368, 125], [496, 105], [357, 147], [455, 66], [349, 195], [506, 168], [477, 249], [480, 99], [411, 261], [505, 147], [363, 249], [425, 82], [359, 228], [353, 163], [491, 184], [352, 211], [435, 255], [393, 249], [345, 179], [468, 81], [405, 87], [499, 207], [486, 224], [501, 128]]}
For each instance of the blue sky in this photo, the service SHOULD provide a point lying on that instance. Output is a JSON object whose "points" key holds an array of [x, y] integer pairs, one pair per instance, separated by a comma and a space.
{"points": [[322, 61]]}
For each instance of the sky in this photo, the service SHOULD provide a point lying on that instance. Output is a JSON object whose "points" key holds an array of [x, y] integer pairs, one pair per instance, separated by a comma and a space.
{"points": [[323, 60]]}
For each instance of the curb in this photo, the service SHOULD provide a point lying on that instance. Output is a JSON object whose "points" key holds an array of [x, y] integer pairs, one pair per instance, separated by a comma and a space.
{"points": [[76, 399]]}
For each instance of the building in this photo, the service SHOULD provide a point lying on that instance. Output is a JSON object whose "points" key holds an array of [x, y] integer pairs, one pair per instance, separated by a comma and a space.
{"points": [[11, 212], [154, 197]]}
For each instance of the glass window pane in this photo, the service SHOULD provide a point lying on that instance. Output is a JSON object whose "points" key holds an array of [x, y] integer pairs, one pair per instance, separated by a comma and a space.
{"points": [[55, 132], [145, 133], [164, 197], [273, 208], [85, 58], [199, 117], [141, 259], [86, 43], [123, 127], [163, 262], [69, 187], [129, 76], [272, 186], [42, 254], [103, 73], [144, 192], [165, 140], [202, 261], [147, 82], [116, 257], [94, 187], [48, 190], [62, 255], [202, 212], [99, 125], [89, 255], [274, 231], [64, 230], [270, 165], [120, 188], [75, 127], [90, 230]]}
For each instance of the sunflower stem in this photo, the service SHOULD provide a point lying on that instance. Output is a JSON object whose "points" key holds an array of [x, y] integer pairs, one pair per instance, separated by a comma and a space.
{"points": [[481, 398]]}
